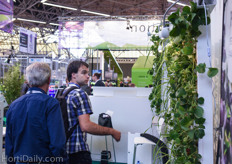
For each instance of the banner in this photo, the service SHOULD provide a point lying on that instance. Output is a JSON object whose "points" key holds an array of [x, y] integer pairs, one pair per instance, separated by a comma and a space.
{"points": [[224, 155], [27, 41], [107, 34], [6, 15], [71, 35]]}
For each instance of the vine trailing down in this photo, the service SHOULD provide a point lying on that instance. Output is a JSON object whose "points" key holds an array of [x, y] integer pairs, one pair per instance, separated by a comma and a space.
{"points": [[174, 96]]}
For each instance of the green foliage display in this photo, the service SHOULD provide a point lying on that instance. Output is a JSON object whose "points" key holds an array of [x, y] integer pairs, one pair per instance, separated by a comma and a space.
{"points": [[174, 96], [12, 82]]}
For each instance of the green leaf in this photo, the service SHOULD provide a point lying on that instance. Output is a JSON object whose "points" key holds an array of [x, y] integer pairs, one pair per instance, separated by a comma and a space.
{"points": [[199, 112], [199, 156], [181, 110], [201, 126], [176, 115], [193, 16], [180, 92], [201, 68], [175, 32], [200, 133], [173, 135], [177, 141], [200, 120], [191, 134], [185, 121], [177, 39], [212, 72], [172, 18], [185, 128], [201, 100], [186, 9], [188, 50], [193, 7]]}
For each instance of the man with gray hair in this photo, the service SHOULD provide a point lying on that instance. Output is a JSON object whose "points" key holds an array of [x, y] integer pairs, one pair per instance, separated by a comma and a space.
{"points": [[35, 131]]}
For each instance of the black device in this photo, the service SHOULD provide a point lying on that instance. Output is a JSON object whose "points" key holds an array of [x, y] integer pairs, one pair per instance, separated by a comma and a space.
{"points": [[105, 156]]}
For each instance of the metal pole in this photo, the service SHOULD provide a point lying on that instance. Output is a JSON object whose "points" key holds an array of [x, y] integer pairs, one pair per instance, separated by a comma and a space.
{"points": [[92, 63], [97, 59]]}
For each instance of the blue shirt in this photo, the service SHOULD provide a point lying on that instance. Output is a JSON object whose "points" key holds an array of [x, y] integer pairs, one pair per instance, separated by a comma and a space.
{"points": [[35, 129], [78, 103]]}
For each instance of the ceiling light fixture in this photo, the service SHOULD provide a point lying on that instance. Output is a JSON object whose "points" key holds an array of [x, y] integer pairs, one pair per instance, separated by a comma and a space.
{"points": [[178, 3], [29, 20], [60, 6], [96, 13], [122, 18], [55, 24]]}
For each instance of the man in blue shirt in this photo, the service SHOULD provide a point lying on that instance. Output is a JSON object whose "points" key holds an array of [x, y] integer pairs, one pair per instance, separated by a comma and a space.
{"points": [[35, 131], [79, 109]]}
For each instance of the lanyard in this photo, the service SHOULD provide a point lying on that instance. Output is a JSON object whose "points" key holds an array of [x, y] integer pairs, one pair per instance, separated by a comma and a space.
{"points": [[33, 91]]}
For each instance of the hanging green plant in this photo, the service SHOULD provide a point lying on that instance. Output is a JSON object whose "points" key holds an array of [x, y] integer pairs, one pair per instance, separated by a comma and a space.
{"points": [[174, 96]]}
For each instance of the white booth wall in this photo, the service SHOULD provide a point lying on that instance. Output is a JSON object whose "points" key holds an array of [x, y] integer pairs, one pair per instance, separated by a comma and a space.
{"points": [[131, 113]]}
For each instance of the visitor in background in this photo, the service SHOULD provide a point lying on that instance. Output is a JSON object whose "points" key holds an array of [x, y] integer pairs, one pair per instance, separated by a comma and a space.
{"points": [[121, 84], [25, 88], [80, 109], [110, 84], [106, 84], [66, 83], [96, 78], [34, 122], [131, 85]]}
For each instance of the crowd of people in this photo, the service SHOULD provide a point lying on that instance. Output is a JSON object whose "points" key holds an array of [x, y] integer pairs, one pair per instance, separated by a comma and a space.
{"points": [[35, 131]]}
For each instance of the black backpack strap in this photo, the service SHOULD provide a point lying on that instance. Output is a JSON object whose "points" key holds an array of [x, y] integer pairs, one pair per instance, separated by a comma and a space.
{"points": [[69, 133], [69, 90]]}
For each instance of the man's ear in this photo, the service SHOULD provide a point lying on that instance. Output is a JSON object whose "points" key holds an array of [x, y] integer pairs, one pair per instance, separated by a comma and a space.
{"points": [[73, 76]]}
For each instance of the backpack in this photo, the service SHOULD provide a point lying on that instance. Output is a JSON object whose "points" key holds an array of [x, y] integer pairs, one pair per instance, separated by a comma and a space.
{"points": [[63, 105]]}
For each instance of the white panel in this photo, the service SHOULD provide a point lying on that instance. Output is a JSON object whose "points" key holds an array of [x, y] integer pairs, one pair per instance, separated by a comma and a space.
{"points": [[131, 114], [204, 85]]}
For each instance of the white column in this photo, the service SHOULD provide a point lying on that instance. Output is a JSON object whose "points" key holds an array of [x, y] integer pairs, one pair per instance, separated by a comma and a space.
{"points": [[204, 85], [102, 64]]}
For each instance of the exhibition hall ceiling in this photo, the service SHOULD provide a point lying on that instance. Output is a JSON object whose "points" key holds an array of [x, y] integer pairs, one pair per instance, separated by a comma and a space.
{"points": [[41, 10]]}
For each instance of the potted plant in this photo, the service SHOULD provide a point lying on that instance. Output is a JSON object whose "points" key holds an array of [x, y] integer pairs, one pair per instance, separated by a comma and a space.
{"points": [[12, 83]]}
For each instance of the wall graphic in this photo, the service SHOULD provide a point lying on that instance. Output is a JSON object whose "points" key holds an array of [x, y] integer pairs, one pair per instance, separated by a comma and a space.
{"points": [[225, 140], [106, 34]]}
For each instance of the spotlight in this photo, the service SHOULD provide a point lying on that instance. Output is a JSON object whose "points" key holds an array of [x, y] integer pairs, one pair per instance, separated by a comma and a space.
{"points": [[164, 33]]}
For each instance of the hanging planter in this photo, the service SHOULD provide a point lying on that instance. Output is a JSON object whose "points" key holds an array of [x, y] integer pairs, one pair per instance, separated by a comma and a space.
{"points": [[174, 96]]}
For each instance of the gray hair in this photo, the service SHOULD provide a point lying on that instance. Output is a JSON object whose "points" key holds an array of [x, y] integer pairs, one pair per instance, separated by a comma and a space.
{"points": [[38, 74]]}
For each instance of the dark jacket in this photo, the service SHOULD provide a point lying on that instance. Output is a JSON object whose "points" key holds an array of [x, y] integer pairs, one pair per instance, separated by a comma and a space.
{"points": [[99, 83]]}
